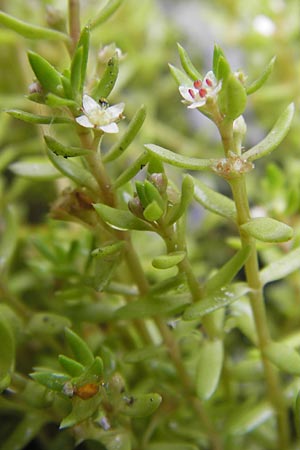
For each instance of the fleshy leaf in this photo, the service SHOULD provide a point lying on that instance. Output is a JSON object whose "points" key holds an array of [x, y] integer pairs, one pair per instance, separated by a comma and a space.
{"points": [[76, 73], [107, 259], [187, 192], [81, 350], [132, 170], [282, 267], [9, 237], [82, 410], [187, 64], [123, 143], [179, 160], [106, 12], [108, 80], [63, 150], [249, 418], [72, 367], [214, 201], [120, 219], [274, 138], [52, 381], [217, 300], [168, 261], [140, 406], [36, 118], [226, 274], [153, 211], [7, 356], [209, 367], [268, 230], [284, 357], [255, 85], [179, 76], [47, 75], [232, 98], [35, 169], [31, 31], [48, 324]]}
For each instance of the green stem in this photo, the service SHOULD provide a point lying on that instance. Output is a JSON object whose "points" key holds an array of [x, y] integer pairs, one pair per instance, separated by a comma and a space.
{"points": [[74, 22], [238, 187]]}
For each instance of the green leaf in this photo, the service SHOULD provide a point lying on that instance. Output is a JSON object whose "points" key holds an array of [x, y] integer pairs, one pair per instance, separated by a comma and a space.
{"points": [[46, 74], [214, 201], [209, 367], [232, 98], [140, 405], [284, 357], [31, 31], [153, 306], [73, 171], [108, 80], [274, 138], [7, 354], [36, 118], [282, 267], [255, 85], [223, 70], [76, 73], [267, 230], [169, 260], [81, 410], [55, 101], [35, 169], [72, 367], [123, 143], [179, 160], [187, 192], [215, 301], [142, 354], [179, 76], [218, 52], [48, 324], [9, 237], [297, 414], [81, 350], [120, 219], [132, 170], [153, 211], [249, 418], [53, 381], [187, 64], [84, 44], [106, 12], [63, 150], [226, 274], [107, 259]]}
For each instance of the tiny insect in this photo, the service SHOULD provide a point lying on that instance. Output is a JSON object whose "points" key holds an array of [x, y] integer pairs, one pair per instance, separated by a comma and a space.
{"points": [[103, 102]]}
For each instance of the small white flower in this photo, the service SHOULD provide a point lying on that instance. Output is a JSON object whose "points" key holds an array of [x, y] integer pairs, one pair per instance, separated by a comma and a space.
{"points": [[197, 95], [100, 116]]}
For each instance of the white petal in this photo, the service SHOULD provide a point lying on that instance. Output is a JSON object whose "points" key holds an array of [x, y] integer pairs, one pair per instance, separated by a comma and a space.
{"points": [[84, 122], [197, 104], [211, 76], [185, 92], [89, 104], [110, 128], [115, 110]]}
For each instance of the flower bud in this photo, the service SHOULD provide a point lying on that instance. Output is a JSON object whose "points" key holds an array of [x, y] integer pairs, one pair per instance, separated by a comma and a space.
{"points": [[160, 181]]}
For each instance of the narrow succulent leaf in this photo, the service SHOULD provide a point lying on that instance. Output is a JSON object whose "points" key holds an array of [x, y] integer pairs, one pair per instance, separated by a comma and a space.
{"points": [[215, 301], [153, 211], [95, 371], [72, 367], [223, 69], [47, 324], [187, 192], [232, 98], [109, 249], [76, 73], [81, 410], [152, 194], [63, 150], [168, 284], [37, 169], [7, 357], [73, 171], [282, 267], [169, 260], [81, 350], [268, 230], [140, 189], [297, 414], [214, 201], [142, 354], [120, 219], [106, 12], [108, 80], [179, 160], [226, 274], [140, 405], [31, 31], [249, 418], [123, 143], [275, 136], [84, 44], [53, 381], [209, 367], [107, 259], [55, 101], [179, 76], [132, 170], [46, 74], [187, 64], [283, 357], [218, 52], [36, 118], [257, 84], [153, 306]]}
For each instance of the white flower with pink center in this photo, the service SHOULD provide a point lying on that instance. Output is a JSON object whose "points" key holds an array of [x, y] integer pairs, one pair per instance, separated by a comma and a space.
{"points": [[100, 115], [201, 90]]}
